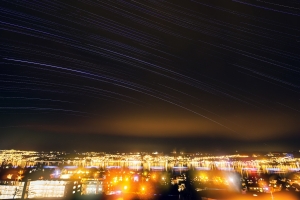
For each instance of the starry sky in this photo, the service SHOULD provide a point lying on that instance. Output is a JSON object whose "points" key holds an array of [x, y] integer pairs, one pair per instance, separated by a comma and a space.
{"points": [[212, 76]]}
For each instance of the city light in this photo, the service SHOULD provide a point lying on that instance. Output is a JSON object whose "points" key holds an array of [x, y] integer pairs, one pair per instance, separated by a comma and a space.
{"points": [[120, 174]]}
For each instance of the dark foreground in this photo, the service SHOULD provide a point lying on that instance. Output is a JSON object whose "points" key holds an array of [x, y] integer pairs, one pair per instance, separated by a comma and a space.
{"points": [[204, 195]]}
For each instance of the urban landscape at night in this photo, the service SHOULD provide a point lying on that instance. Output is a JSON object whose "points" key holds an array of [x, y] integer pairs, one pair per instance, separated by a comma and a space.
{"points": [[150, 99], [142, 175]]}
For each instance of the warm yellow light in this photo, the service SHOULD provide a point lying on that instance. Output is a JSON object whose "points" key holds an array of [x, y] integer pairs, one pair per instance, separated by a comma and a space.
{"points": [[65, 176], [9, 176]]}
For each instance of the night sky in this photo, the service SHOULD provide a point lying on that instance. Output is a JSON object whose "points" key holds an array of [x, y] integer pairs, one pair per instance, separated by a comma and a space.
{"points": [[213, 76]]}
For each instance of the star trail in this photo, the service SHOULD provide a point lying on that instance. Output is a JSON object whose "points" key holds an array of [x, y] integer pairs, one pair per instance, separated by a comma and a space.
{"points": [[150, 75]]}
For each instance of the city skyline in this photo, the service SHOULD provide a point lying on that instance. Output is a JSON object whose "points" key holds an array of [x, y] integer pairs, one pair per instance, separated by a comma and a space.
{"points": [[150, 76]]}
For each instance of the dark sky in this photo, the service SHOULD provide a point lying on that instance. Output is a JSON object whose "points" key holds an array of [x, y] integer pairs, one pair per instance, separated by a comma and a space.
{"points": [[150, 76]]}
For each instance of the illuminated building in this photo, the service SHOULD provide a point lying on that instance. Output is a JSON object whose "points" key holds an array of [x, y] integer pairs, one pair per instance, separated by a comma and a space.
{"points": [[41, 189], [92, 186], [13, 181], [11, 190]]}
